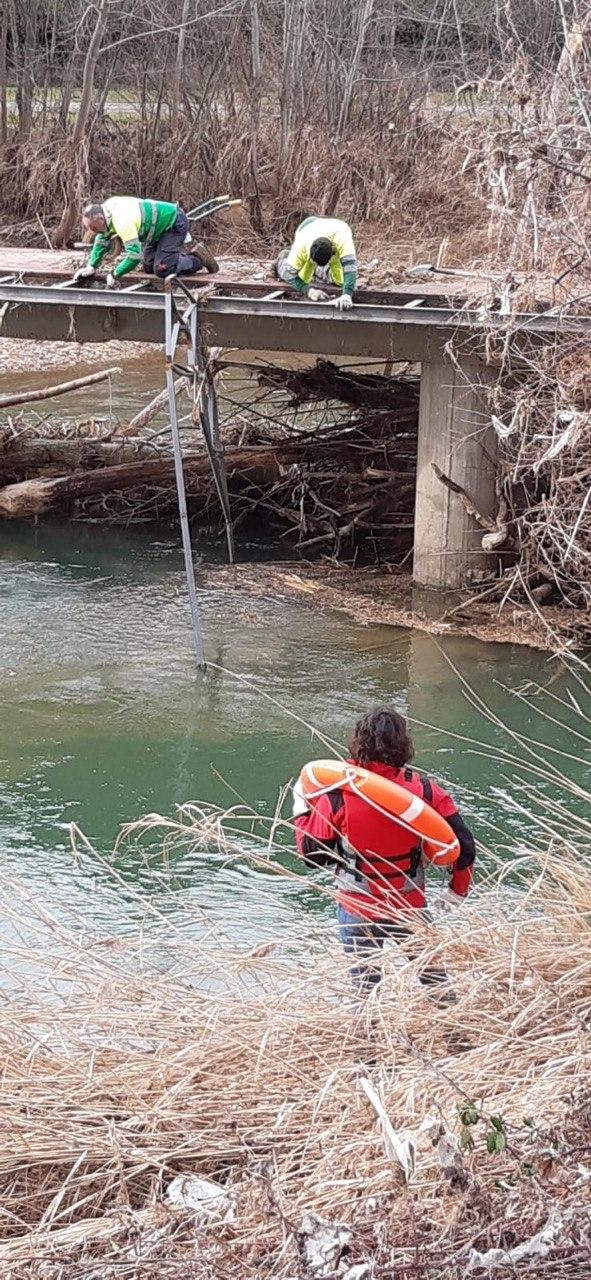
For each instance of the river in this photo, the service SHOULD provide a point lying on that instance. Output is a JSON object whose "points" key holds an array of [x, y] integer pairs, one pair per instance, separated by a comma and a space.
{"points": [[105, 719]]}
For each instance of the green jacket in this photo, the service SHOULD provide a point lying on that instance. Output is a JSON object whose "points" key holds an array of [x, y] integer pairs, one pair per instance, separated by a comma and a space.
{"points": [[137, 223]]}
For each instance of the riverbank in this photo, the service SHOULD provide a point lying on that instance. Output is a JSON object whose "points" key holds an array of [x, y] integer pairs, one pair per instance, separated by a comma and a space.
{"points": [[18, 356], [376, 597], [215, 1110]]}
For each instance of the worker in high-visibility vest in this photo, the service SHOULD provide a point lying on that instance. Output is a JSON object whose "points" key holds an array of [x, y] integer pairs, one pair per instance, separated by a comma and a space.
{"points": [[323, 249], [153, 233]]}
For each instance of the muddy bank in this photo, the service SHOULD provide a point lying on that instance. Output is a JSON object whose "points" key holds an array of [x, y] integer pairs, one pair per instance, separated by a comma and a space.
{"points": [[371, 597]]}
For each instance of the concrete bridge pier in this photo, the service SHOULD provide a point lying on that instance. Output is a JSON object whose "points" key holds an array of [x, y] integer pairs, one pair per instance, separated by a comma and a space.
{"points": [[455, 434]]}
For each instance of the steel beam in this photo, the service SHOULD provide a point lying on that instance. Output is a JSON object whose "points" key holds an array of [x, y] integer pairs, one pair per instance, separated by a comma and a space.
{"points": [[376, 331], [80, 315]]}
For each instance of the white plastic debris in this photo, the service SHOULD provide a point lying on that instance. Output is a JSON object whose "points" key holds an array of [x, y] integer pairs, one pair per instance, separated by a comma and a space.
{"points": [[537, 1246], [574, 424], [207, 1199], [359, 1272], [399, 1147], [449, 1152], [322, 1244]]}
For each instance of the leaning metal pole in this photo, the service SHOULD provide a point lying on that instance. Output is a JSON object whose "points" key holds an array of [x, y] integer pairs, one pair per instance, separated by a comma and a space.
{"points": [[211, 435], [171, 333], [205, 408]]}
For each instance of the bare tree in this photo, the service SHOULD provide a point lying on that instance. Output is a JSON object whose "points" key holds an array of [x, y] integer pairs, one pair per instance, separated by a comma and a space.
{"points": [[3, 76], [175, 96], [363, 17], [76, 171]]}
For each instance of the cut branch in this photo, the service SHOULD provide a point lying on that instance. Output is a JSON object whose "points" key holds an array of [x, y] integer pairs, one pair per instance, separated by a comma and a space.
{"points": [[485, 521], [60, 389], [150, 411]]}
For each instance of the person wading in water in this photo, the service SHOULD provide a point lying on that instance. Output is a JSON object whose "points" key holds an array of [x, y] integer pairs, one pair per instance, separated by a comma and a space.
{"points": [[379, 868]]}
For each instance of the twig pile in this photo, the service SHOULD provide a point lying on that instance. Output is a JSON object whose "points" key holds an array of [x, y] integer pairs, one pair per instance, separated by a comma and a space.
{"points": [[326, 456], [350, 488], [529, 147], [545, 432]]}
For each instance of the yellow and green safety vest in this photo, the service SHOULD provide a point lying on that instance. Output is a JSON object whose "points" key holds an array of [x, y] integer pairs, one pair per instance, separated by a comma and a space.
{"points": [[298, 268], [136, 222]]}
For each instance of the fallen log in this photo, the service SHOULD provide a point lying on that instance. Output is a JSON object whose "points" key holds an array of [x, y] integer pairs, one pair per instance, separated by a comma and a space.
{"points": [[18, 458], [150, 410], [59, 389], [35, 497]]}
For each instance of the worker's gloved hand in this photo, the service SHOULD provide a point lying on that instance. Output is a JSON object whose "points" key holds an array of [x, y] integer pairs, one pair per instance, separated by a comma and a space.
{"points": [[317, 295], [300, 804], [448, 901], [112, 282], [84, 273], [344, 303]]}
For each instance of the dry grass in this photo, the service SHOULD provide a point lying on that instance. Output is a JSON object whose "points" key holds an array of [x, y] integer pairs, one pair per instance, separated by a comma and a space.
{"points": [[384, 181], [128, 1060]]}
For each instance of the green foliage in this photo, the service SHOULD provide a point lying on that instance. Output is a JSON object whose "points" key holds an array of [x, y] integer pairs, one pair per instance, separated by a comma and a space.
{"points": [[495, 1137]]}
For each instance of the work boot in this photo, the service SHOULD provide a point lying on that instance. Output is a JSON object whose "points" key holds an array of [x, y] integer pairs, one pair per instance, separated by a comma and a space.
{"points": [[207, 259]]}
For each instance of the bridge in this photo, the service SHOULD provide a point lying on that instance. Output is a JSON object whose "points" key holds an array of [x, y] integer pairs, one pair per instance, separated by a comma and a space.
{"points": [[417, 324]]}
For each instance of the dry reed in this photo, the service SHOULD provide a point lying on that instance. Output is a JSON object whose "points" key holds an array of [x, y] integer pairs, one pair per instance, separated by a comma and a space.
{"points": [[130, 1060]]}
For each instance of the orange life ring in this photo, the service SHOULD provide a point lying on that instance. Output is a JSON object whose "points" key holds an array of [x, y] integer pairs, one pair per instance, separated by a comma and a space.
{"points": [[440, 844]]}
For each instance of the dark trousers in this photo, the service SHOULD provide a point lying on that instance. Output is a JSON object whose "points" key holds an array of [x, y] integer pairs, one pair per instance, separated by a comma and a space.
{"points": [[165, 257], [364, 939]]}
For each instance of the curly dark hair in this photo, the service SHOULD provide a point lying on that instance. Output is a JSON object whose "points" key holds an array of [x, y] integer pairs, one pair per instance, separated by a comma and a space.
{"points": [[381, 735]]}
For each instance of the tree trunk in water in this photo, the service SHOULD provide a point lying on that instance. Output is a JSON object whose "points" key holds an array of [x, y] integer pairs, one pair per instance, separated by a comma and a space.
{"points": [[34, 497], [59, 389], [29, 457], [76, 169]]}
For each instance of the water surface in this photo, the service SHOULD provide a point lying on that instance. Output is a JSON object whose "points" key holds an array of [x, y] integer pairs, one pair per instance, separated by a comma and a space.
{"points": [[105, 719]]}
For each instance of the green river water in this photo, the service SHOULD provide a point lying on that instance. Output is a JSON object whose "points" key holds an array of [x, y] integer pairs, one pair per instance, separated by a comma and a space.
{"points": [[104, 718]]}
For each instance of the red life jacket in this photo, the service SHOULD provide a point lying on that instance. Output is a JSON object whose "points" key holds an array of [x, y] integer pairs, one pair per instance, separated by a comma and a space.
{"points": [[383, 872]]}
